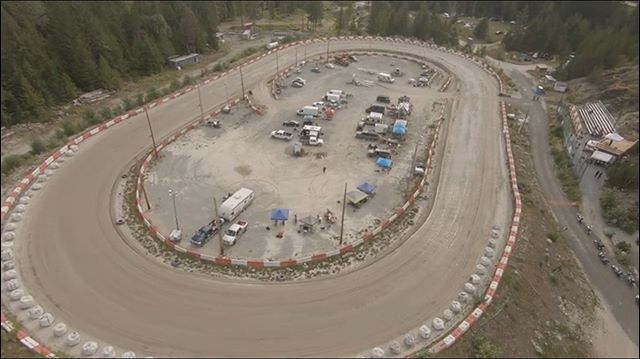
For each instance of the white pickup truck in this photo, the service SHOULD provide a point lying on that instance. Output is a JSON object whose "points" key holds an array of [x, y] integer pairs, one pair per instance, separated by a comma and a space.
{"points": [[234, 232], [282, 135]]}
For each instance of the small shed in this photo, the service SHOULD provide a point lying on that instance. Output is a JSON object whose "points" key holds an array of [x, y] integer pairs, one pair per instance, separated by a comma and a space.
{"points": [[357, 198], [367, 188], [308, 223], [560, 86], [602, 157], [542, 68], [180, 62], [247, 35]]}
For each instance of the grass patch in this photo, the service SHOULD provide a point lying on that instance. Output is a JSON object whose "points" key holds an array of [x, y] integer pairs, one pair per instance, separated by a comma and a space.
{"points": [[618, 214], [11, 162]]}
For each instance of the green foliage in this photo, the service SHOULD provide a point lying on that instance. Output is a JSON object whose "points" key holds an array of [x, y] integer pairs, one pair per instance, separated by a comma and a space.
{"points": [[140, 99], [595, 77], [618, 215], [187, 80], [624, 175], [484, 348], [69, 128], [37, 146], [623, 246], [105, 114], [90, 117], [11, 162], [128, 103], [482, 29], [152, 94]]}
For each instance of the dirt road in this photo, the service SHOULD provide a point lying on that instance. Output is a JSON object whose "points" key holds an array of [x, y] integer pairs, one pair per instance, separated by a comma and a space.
{"points": [[76, 265]]}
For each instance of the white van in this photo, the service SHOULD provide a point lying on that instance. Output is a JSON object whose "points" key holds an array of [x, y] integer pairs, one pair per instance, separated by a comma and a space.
{"points": [[272, 45], [308, 111], [332, 97], [385, 78], [231, 208]]}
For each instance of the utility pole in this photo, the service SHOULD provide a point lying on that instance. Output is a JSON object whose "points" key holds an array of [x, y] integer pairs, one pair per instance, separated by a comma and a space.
{"points": [[217, 223], [200, 104], [526, 119], [241, 81], [173, 194], [344, 204], [412, 168], [328, 50], [153, 139]]}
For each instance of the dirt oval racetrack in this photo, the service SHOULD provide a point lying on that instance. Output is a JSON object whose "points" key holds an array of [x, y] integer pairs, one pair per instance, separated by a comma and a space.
{"points": [[76, 265]]}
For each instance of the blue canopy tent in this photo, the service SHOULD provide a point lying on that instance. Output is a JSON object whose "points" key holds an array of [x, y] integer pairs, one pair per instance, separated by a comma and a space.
{"points": [[279, 214], [367, 188], [399, 130], [384, 162]]}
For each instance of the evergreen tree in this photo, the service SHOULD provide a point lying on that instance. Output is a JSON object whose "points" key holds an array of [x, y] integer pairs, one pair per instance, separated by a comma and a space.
{"points": [[482, 29]]}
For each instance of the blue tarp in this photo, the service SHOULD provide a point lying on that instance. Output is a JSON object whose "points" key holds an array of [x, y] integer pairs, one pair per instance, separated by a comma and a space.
{"points": [[279, 214], [367, 188], [384, 162], [399, 130]]}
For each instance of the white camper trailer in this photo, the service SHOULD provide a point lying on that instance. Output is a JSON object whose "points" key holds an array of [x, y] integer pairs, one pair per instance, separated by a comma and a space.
{"points": [[231, 208]]}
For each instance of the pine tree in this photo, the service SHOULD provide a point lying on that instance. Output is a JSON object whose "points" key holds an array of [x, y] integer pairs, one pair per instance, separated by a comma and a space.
{"points": [[30, 101], [482, 29]]}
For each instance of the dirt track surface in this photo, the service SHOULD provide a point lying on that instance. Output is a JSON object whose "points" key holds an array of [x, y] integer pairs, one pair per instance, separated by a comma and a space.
{"points": [[77, 267]]}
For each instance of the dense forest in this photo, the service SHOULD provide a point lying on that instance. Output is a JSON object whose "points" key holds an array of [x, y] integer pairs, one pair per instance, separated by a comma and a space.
{"points": [[53, 51]]}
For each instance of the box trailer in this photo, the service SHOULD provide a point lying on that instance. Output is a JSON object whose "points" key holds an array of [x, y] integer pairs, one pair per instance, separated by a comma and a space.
{"points": [[231, 208]]}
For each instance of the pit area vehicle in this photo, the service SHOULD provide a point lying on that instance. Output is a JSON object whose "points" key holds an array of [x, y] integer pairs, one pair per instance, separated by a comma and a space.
{"points": [[282, 135], [204, 234], [233, 233]]}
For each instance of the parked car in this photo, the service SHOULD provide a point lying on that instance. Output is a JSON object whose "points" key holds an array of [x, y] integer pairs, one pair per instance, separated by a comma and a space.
{"points": [[282, 135], [204, 234], [291, 123], [234, 232], [383, 99]]}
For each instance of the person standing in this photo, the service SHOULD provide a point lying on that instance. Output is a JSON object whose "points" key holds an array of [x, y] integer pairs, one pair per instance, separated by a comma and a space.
{"points": [[324, 169]]}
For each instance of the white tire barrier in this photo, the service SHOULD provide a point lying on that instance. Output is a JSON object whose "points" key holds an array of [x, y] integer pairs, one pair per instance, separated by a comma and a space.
{"points": [[42, 178], [8, 265], [455, 306], [475, 279], [24, 199], [36, 187], [495, 234], [128, 355], [107, 352], [60, 329], [13, 284], [469, 288], [488, 252], [73, 339], [424, 332], [492, 243], [16, 294], [54, 165], [20, 208], [6, 254], [68, 153], [480, 269], [61, 159], [377, 352], [485, 261], [48, 172], [9, 236], [73, 148], [10, 227], [36, 312], [16, 217], [395, 348], [46, 320], [26, 302], [7, 245], [438, 324], [89, 348], [447, 315], [409, 340], [10, 274]]}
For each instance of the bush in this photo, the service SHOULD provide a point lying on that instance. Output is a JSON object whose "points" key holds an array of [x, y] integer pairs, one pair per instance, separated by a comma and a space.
{"points": [[623, 175], [128, 104], [219, 67], [175, 84], [187, 80], [623, 246], [69, 128], [484, 348], [152, 94], [11, 162], [37, 146], [54, 142], [106, 114], [140, 99], [90, 117]]}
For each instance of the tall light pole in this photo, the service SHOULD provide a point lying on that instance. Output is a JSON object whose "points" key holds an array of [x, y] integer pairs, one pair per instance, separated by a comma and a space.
{"points": [[328, 41], [153, 139], [241, 81], [200, 103], [217, 220], [173, 195], [344, 204]]}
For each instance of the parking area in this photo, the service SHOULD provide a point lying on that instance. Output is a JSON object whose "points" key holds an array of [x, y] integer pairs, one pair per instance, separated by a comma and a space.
{"points": [[208, 163]]}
